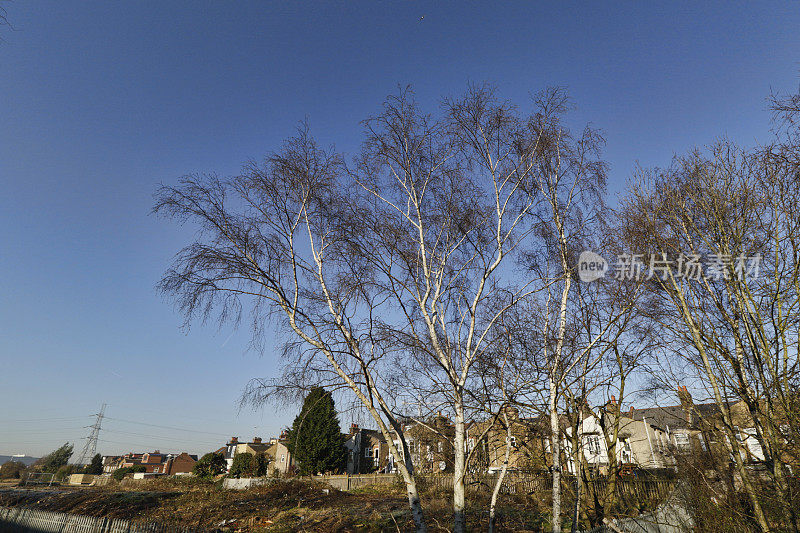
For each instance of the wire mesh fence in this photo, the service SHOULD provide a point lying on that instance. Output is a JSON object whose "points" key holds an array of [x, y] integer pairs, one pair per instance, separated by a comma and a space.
{"points": [[25, 520]]}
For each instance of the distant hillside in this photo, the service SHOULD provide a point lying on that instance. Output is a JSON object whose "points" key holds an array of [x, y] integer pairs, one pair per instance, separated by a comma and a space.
{"points": [[26, 459]]}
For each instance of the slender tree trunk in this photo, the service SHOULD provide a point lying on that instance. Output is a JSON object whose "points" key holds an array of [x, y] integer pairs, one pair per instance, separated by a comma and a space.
{"points": [[578, 440], [459, 471], [499, 482], [554, 384], [555, 449], [413, 502], [730, 443], [783, 489]]}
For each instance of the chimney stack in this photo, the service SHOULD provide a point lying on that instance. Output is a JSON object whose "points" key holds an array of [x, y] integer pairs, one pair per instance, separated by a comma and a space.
{"points": [[234, 440], [256, 440], [686, 402], [613, 400], [353, 429]]}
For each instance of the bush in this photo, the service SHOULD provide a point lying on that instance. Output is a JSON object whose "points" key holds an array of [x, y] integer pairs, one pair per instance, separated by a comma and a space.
{"points": [[120, 473], [12, 470], [64, 472], [248, 465], [210, 465], [243, 465]]}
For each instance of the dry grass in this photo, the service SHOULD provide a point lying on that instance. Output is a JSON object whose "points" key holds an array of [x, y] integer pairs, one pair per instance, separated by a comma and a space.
{"points": [[283, 506]]}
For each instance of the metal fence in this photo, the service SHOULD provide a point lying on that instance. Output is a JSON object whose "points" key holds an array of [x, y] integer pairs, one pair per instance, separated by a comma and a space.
{"points": [[24, 520], [356, 481]]}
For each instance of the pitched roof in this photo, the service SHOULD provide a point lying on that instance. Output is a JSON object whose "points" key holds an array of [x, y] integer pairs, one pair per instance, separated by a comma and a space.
{"points": [[673, 416]]}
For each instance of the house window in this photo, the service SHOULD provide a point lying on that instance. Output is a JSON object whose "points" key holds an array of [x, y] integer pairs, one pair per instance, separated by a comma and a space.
{"points": [[368, 452], [283, 458], [440, 446], [513, 442], [155, 470], [625, 452], [470, 444], [593, 444], [682, 440]]}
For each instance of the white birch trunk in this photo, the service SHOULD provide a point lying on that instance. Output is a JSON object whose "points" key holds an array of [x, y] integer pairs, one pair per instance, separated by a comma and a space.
{"points": [[459, 471], [555, 449], [499, 482]]}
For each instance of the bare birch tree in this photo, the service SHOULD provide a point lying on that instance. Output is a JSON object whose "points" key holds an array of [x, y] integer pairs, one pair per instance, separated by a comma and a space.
{"points": [[571, 181], [403, 257], [737, 210]]}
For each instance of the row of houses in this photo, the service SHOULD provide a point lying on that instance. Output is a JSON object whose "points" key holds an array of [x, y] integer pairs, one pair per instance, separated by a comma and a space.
{"points": [[171, 464], [652, 439], [154, 463], [276, 449]]}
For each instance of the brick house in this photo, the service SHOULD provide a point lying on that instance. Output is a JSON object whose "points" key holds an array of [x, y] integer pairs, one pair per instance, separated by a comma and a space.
{"points": [[153, 462], [367, 451], [111, 463], [183, 463], [430, 443], [527, 443], [280, 457], [234, 447]]}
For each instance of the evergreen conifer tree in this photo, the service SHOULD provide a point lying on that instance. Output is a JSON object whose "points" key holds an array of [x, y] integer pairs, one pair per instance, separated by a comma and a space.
{"points": [[55, 459], [96, 466], [315, 438]]}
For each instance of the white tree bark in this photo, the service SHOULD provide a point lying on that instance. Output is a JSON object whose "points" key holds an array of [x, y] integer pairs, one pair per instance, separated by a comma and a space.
{"points": [[499, 483]]}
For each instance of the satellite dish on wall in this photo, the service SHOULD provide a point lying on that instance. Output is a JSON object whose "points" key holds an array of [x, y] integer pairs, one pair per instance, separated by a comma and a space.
{"points": [[442, 465]]}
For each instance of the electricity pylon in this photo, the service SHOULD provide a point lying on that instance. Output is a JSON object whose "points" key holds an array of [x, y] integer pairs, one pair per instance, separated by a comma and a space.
{"points": [[90, 447]]}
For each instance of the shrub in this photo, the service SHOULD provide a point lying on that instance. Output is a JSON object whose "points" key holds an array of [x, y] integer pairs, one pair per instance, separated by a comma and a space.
{"points": [[64, 472], [249, 465], [210, 465], [243, 465], [12, 470], [120, 473]]}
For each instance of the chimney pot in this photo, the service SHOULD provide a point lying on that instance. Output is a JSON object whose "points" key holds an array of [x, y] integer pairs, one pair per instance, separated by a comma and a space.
{"points": [[613, 400]]}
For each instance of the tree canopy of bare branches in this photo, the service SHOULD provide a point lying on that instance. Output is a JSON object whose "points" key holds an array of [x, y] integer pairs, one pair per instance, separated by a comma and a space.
{"points": [[390, 271]]}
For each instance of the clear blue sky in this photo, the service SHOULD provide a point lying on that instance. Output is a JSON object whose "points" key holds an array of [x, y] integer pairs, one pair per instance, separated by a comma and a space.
{"points": [[101, 101]]}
